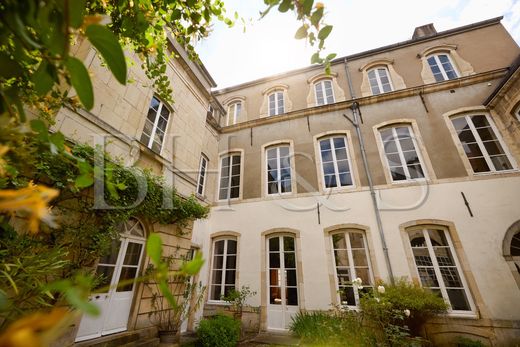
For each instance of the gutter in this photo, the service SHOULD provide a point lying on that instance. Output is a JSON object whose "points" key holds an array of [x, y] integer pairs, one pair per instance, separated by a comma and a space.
{"points": [[356, 123]]}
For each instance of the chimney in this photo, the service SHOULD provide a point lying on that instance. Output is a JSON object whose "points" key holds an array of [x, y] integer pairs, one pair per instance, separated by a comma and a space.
{"points": [[424, 31]]}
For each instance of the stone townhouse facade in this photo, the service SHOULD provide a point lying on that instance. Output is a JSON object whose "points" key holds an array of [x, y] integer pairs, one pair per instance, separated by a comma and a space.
{"points": [[402, 163]]}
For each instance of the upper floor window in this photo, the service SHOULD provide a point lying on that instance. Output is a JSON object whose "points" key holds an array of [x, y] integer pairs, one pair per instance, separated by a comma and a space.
{"points": [[350, 262], [324, 92], [279, 177], [229, 187], [401, 153], [155, 125], [481, 143], [438, 267], [233, 114], [201, 181], [223, 268], [379, 80], [442, 67], [335, 162], [276, 103]]}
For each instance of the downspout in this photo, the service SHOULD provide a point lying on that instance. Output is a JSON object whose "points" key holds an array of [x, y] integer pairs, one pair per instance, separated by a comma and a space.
{"points": [[355, 123]]}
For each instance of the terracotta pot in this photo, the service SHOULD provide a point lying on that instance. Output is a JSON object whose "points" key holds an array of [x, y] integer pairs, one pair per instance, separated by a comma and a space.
{"points": [[169, 336]]}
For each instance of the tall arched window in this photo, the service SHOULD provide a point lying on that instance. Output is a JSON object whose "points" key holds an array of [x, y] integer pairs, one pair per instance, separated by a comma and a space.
{"points": [[223, 267], [324, 92], [351, 261], [512, 250], [379, 79]]}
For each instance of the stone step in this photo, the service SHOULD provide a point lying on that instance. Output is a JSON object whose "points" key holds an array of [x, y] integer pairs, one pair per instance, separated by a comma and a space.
{"points": [[121, 339], [150, 342]]}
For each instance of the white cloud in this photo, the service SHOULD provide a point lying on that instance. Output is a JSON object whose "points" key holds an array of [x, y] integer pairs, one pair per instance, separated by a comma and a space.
{"points": [[268, 46]]}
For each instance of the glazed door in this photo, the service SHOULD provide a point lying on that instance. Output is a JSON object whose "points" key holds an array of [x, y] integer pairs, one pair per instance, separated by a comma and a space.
{"points": [[119, 269], [282, 283]]}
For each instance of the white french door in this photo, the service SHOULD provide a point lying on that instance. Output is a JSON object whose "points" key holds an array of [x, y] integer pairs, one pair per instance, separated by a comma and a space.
{"points": [[114, 296], [282, 282]]}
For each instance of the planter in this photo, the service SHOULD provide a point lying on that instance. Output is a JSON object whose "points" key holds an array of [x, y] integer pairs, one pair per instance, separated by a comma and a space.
{"points": [[166, 336]]}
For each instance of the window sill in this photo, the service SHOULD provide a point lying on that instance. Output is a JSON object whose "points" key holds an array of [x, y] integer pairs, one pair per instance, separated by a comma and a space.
{"points": [[493, 173]]}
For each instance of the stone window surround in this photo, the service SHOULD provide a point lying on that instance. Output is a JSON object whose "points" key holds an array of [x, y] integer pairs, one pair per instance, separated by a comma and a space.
{"points": [[512, 261], [339, 94], [461, 66], [396, 80], [243, 112], [263, 272], [222, 154], [263, 166], [264, 109], [352, 161], [327, 232], [216, 236], [477, 110], [475, 299], [429, 173]]}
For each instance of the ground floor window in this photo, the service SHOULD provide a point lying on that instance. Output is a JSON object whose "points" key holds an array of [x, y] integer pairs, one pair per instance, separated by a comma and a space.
{"points": [[351, 261], [223, 268], [438, 267]]}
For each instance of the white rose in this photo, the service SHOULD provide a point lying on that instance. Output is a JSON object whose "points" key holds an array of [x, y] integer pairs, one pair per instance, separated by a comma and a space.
{"points": [[381, 289], [407, 313]]}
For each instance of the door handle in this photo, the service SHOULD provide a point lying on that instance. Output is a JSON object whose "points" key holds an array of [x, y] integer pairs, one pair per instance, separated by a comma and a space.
{"points": [[97, 296]]}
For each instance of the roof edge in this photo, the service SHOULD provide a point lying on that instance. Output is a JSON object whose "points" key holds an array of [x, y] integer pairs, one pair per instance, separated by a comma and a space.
{"points": [[362, 54]]}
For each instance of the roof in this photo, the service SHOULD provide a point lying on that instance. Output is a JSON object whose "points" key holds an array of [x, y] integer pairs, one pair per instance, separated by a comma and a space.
{"points": [[374, 51]]}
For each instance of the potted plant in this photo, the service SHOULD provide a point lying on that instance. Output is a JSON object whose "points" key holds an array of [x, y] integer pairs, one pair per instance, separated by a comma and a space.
{"points": [[188, 297]]}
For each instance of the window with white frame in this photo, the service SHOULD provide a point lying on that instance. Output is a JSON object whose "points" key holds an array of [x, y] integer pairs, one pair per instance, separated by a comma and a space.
{"points": [[276, 103], [155, 125], [324, 92], [233, 114], [201, 181], [278, 163], [335, 162], [438, 267], [403, 159], [481, 143], [379, 80], [229, 187], [223, 268], [442, 67], [351, 261]]}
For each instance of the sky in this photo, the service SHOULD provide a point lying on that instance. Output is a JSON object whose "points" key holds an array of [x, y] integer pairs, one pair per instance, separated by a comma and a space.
{"points": [[268, 47]]}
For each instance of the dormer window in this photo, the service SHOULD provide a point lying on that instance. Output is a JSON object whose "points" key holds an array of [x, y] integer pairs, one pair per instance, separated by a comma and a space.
{"points": [[379, 80], [276, 103], [234, 111], [324, 92], [442, 67]]}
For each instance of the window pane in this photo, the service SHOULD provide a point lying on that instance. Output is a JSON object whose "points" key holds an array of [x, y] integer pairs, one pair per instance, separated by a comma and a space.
{"points": [[501, 162], [219, 247], [339, 241], [127, 274], [458, 299], [289, 260], [274, 277], [275, 296], [274, 260], [218, 261], [292, 296], [274, 244], [356, 240], [133, 253], [360, 257], [341, 257], [104, 273], [291, 278]]}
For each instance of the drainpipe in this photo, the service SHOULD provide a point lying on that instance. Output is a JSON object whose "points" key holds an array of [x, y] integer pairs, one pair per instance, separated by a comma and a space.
{"points": [[355, 123]]}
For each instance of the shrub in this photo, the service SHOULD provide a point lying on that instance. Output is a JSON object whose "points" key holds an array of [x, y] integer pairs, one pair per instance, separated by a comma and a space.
{"points": [[397, 313], [219, 331], [333, 328]]}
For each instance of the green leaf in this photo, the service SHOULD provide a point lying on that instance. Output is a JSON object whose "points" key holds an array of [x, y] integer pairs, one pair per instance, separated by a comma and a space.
{"points": [[301, 33], [42, 80], [285, 6], [307, 6], [84, 181], [324, 32], [109, 48], [331, 56], [75, 298], [154, 248], [39, 126], [76, 11], [315, 58], [193, 267], [316, 16], [57, 141], [80, 80], [167, 293], [121, 186]]}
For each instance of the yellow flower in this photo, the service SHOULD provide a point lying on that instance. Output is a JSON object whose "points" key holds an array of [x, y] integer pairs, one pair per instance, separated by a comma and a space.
{"points": [[36, 330], [34, 199]]}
